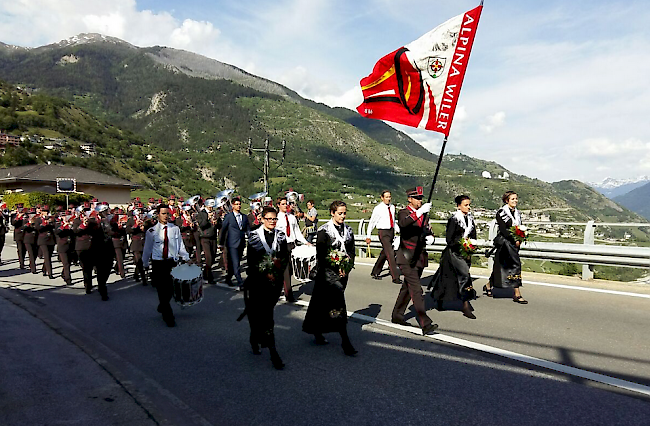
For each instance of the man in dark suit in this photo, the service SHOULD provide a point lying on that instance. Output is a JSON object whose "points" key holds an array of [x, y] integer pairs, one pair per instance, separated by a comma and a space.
{"points": [[412, 259], [19, 234], [234, 230]]}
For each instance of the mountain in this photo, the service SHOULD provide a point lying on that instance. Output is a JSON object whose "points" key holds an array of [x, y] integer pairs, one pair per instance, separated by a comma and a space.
{"points": [[613, 188], [637, 200], [189, 119]]}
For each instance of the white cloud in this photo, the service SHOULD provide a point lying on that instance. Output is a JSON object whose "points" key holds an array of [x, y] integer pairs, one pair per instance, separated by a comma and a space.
{"points": [[493, 122]]}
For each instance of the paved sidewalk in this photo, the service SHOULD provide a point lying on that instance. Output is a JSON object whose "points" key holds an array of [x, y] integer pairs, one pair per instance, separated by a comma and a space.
{"points": [[47, 380]]}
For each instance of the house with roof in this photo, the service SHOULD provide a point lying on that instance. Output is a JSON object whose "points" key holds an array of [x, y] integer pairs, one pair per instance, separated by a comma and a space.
{"points": [[43, 178]]}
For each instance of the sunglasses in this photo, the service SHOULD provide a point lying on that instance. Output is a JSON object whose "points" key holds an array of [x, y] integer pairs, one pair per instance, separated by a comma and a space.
{"points": [[417, 197], [271, 219]]}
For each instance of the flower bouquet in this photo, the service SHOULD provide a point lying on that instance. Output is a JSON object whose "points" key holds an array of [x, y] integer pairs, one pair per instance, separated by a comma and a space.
{"points": [[272, 266], [341, 261], [519, 233], [467, 248]]}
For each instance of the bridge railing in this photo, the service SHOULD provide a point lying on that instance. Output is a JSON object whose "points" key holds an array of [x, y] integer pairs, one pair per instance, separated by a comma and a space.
{"points": [[588, 253]]}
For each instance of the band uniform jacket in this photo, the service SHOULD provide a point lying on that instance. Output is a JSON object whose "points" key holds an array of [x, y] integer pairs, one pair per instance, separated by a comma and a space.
{"points": [[137, 236], [207, 229], [118, 236], [410, 230], [46, 235], [19, 230], [29, 233], [63, 239]]}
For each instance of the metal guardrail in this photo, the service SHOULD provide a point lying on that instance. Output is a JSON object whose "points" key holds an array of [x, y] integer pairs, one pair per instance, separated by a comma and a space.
{"points": [[588, 253]]}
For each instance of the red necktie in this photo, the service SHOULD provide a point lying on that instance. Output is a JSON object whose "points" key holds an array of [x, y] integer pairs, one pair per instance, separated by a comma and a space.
{"points": [[390, 215], [165, 245], [286, 217]]}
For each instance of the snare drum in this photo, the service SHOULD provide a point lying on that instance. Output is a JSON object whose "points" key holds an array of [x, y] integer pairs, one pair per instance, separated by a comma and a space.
{"points": [[188, 284], [303, 262]]}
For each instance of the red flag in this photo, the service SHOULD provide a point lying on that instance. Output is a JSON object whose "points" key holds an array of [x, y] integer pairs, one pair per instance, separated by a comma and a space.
{"points": [[418, 84]]}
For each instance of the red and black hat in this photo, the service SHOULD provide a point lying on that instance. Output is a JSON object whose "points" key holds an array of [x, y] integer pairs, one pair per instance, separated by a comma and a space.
{"points": [[137, 199], [417, 192], [46, 208], [86, 205], [140, 205], [95, 200], [172, 197], [159, 200], [181, 199]]}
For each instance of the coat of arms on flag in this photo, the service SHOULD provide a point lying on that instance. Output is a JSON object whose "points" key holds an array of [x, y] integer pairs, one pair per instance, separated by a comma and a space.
{"points": [[418, 85]]}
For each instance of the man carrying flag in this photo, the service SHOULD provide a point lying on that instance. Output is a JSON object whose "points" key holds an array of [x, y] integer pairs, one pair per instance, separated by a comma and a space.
{"points": [[418, 85]]}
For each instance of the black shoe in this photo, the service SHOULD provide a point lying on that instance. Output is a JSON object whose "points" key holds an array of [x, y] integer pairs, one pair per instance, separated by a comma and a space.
{"points": [[320, 340], [145, 283], [256, 349], [439, 306], [51, 277], [487, 291], [89, 291], [429, 329], [68, 283], [400, 322], [137, 278], [277, 362], [45, 274], [104, 297], [375, 277], [398, 281], [170, 322], [349, 350]]}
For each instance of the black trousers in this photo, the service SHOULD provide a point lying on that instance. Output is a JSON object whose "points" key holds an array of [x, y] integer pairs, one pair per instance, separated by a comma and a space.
{"points": [[90, 259], [209, 247], [288, 289], [411, 290], [387, 253], [64, 258], [139, 267], [2, 243], [22, 251], [47, 252], [162, 279], [32, 252]]}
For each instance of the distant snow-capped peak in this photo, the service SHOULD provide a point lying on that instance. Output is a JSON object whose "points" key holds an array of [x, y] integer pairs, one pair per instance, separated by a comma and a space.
{"points": [[610, 183], [86, 38]]}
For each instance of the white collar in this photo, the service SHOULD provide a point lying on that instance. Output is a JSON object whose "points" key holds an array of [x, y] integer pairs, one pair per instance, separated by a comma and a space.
{"points": [[274, 246], [467, 227], [334, 233], [516, 219]]}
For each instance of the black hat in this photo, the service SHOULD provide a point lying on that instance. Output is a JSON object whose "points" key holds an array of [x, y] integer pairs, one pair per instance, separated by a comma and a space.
{"points": [[417, 192]]}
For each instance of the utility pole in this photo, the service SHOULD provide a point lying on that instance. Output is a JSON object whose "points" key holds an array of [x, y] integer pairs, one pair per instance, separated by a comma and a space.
{"points": [[267, 158]]}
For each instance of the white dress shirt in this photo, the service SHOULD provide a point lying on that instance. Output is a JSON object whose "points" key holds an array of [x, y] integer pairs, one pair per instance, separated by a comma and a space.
{"points": [[296, 234], [238, 218], [154, 242], [380, 218]]}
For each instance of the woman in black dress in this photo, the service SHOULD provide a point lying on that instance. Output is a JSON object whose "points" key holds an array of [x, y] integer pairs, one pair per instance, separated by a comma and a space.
{"points": [[327, 311], [268, 257], [507, 265], [452, 280]]}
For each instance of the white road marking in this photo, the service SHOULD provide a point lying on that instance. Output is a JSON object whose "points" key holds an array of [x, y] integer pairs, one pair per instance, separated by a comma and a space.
{"points": [[554, 366], [567, 287]]}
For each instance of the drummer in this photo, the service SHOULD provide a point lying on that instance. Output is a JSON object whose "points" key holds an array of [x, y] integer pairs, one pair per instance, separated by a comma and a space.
{"points": [[164, 246]]}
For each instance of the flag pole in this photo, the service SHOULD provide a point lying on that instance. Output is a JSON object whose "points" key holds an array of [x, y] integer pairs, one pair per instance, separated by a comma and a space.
{"points": [[425, 217], [435, 176]]}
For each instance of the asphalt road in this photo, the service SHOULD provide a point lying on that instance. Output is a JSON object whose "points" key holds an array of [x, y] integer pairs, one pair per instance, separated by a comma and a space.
{"points": [[203, 372]]}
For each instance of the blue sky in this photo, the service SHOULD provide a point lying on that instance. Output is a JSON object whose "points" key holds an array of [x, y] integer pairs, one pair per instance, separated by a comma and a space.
{"points": [[554, 89]]}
